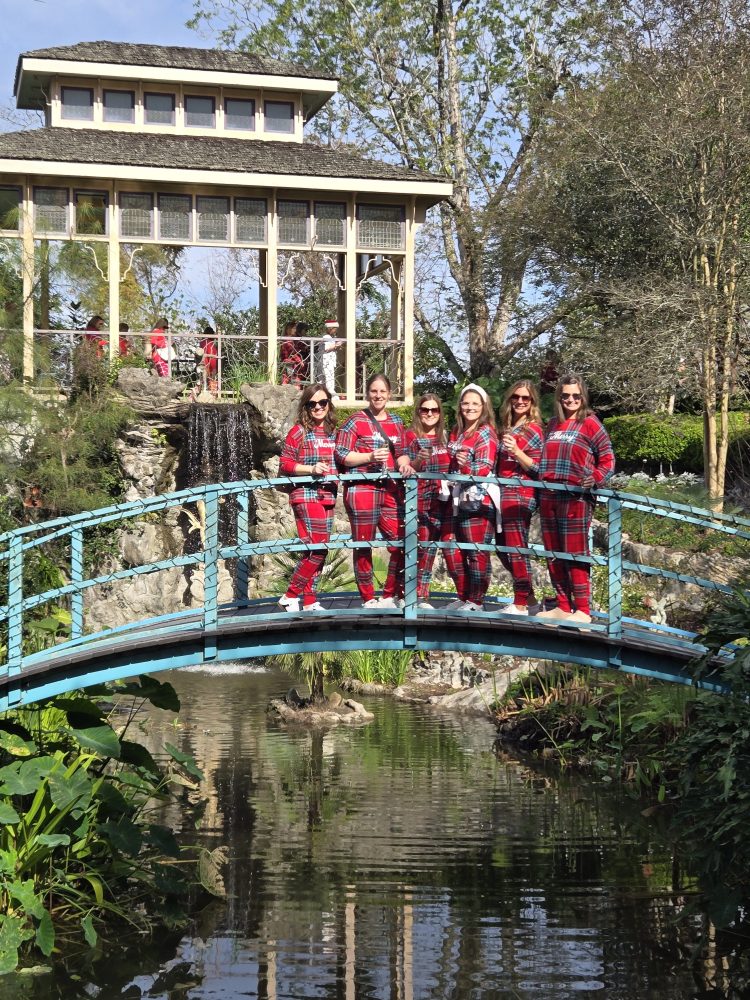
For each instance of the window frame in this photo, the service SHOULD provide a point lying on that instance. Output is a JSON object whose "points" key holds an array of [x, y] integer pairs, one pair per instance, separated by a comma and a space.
{"points": [[51, 232], [226, 238], [279, 131], [190, 238], [152, 216], [198, 97], [82, 90], [19, 193], [118, 121], [402, 222], [308, 221], [77, 192], [159, 93], [237, 239], [243, 100], [340, 204]]}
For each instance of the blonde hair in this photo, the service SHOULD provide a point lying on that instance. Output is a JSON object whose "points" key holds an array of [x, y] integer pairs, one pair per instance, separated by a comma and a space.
{"points": [[418, 427], [506, 409]]}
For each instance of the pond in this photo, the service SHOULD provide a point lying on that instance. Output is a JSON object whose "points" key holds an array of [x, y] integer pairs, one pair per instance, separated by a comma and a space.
{"points": [[401, 860]]}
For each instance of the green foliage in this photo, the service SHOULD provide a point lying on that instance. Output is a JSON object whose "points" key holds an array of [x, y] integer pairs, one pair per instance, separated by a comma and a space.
{"points": [[656, 439], [379, 666], [78, 847]]}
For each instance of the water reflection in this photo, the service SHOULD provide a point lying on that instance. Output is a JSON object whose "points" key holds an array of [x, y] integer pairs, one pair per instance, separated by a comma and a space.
{"points": [[402, 861]]}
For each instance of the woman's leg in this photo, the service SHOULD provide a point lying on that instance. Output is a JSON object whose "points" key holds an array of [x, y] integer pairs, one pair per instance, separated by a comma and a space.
{"points": [[428, 531], [553, 541], [575, 525], [479, 529], [391, 524], [363, 504], [453, 557], [516, 518], [314, 523]]}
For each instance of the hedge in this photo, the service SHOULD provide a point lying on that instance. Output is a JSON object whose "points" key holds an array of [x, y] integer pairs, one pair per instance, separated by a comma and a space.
{"points": [[656, 439]]}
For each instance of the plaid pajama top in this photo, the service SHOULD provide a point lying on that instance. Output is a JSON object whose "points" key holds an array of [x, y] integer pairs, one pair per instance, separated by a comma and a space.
{"points": [[574, 449], [439, 461], [482, 448], [306, 447], [529, 438], [358, 434]]}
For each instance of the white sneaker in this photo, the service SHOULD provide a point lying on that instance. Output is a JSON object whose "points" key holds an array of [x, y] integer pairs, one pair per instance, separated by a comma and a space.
{"points": [[388, 602], [289, 604], [472, 606], [457, 605], [514, 609], [317, 606], [372, 603], [426, 606]]}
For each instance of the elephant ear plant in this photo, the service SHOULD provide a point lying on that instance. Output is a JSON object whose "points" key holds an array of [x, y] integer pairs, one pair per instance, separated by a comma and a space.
{"points": [[80, 850]]}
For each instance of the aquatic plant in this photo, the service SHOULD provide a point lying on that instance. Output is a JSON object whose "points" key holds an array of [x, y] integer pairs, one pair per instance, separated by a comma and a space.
{"points": [[79, 847]]}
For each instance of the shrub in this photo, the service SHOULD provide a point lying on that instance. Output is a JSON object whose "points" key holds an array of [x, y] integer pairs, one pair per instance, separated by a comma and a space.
{"points": [[657, 439]]}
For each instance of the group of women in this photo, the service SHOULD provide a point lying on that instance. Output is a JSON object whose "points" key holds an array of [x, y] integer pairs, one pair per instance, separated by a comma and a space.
{"points": [[575, 450]]}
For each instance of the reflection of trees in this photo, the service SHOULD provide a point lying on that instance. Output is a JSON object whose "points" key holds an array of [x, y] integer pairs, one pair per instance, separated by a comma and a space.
{"points": [[400, 854]]}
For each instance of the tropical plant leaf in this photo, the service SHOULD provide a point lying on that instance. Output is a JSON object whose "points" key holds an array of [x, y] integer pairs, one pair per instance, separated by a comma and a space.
{"points": [[89, 932], [209, 871], [101, 739], [137, 755], [185, 760], [24, 777], [13, 933], [75, 707], [70, 790], [15, 745], [161, 695], [163, 840], [54, 839], [25, 894], [123, 835], [8, 814], [45, 934]]}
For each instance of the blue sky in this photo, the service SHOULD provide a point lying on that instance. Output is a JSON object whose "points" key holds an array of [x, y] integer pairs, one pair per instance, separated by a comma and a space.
{"points": [[38, 24]]}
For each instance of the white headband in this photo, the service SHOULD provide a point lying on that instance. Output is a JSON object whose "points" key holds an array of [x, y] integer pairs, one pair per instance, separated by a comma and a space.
{"points": [[473, 387]]}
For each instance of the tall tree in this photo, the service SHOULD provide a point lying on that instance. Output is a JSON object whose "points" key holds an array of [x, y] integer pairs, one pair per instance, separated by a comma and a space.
{"points": [[459, 88]]}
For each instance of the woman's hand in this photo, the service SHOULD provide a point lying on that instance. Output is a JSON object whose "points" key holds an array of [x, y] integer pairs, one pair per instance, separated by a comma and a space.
{"points": [[588, 482], [509, 444], [381, 455], [463, 456], [406, 468], [321, 468]]}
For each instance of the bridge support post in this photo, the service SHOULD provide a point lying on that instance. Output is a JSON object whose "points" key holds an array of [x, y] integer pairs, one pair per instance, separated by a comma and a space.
{"points": [[15, 614], [242, 574], [411, 523], [76, 578], [614, 566], [211, 576]]}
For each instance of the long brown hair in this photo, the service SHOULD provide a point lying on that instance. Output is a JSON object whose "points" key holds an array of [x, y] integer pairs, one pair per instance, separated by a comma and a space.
{"points": [[506, 408], [303, 415], [486, 416], [572, 379], [418, 427]]}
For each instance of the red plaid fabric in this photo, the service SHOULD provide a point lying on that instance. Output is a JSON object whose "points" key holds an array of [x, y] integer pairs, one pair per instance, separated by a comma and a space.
{"points": [[565, 524], [471, 570], [439, 462], [293, 361], [516, 507], [575, 449], [314, 523], [306, 447], [482, 449], [372, 506], [357, 434], [434, 525]]}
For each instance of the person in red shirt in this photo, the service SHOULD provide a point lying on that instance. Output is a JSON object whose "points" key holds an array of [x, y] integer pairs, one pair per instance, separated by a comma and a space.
{"points": [[292, 354], [94, 338], [123, 343], [373, 440], [209, 359], [308, 451], [577, 451], [520, 448], [473, 449], [427, 445], [160, 351]]}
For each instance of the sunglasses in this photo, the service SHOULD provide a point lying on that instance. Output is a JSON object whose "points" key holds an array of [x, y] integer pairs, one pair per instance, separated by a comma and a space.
{"points": [[317, 404], [575, 396], [520, 399], [429, 409]]}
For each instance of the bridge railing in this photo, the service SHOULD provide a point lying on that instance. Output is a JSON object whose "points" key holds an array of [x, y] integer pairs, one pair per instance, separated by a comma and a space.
{"points": [[59, 563]]}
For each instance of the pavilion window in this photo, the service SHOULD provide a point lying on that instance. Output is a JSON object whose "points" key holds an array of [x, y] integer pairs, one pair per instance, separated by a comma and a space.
{"points": [[239, 115], [10, 209], [250, 220], [293, 222], [119, 106], [175, 217], [279, 116], [136, 215], [330, 223], [77, 104], [213, 218], [159, 109], [200, 112], [380, 227], [91, 212], [51, 210]]}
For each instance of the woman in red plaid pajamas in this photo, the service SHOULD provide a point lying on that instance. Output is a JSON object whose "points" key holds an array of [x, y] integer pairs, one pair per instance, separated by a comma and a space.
{"points": [[429, 453], [520, 449], [375, 441], [577, 450], [473, 450], [308, 451]]}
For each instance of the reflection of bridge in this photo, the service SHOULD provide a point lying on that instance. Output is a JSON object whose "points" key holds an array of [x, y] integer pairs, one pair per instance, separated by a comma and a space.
{"points": [[242, 628]]}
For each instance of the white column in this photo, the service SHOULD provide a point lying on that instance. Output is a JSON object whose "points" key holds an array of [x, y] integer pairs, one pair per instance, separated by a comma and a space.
{"points": [[27, 276], [409, 303], [349, 318], [270, 297], [114, 275]]}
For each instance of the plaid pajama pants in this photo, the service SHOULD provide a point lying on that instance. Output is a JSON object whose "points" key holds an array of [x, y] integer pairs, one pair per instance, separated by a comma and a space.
{"points": [[471, 570], [565, 528], [371, 506], [516, 518], [314, 523], [434, 526]]}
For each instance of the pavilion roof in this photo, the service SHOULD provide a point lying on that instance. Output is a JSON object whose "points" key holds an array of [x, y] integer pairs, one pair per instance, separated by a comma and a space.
{"points": [[209, 153], [173, 57]]}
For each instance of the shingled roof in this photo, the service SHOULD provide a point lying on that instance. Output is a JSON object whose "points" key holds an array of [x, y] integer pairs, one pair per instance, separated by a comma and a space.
{"points": [[181, 152], [173, 57]]}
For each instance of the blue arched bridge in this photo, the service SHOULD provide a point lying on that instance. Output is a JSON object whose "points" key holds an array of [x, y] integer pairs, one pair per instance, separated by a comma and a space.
{"points": [[47, 647]]}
